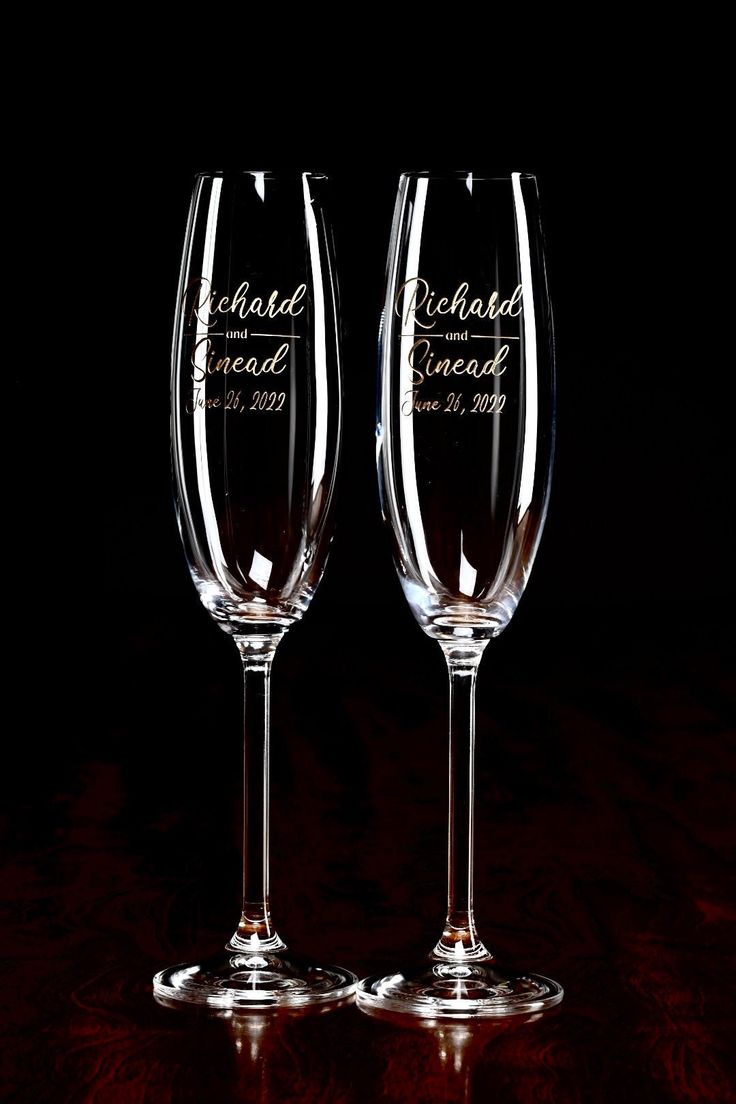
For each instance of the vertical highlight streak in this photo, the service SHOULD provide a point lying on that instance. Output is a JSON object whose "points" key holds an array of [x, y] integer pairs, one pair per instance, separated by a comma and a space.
{"points": [[320, 344], [185, 512], [406, 433], [531, 410], [209, 515]]}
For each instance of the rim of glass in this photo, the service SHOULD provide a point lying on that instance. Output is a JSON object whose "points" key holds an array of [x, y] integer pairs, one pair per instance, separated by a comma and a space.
{"points": [[463, 174], [265, 174]]}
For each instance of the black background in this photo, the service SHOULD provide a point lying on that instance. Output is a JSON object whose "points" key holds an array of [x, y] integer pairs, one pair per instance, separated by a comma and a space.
{"points": [[634, 559], [639, 536], [127, 797], [638, 542]]}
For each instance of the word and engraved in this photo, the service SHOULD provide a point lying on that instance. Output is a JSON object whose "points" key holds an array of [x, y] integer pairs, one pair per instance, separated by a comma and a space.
{"points": [[204, 308], [420, 309]]}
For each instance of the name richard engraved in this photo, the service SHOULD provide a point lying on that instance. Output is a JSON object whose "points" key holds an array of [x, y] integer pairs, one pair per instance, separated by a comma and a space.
{"points": [[416, 303], [202, 302]]}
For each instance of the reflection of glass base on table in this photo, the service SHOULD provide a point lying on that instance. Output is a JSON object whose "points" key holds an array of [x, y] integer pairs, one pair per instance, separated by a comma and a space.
{"points": [[460, 990], [242, 981]]}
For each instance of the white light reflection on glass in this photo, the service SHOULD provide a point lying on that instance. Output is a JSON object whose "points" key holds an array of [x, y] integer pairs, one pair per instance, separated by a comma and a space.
{"points": [[260, 570], [406, 385], [468, 576], [217, 558], [531, 405], [320, 343]]}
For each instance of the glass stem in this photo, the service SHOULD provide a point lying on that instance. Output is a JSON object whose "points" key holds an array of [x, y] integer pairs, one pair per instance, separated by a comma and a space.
{"points": [[256, 933], [460, 938]]}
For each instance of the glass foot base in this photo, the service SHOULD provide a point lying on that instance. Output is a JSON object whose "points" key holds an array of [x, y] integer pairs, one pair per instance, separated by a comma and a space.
{"points": [[253, 981], [460, 991]]}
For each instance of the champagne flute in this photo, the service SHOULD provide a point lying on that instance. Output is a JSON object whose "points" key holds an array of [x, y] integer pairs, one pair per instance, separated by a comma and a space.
{"points": [[465, 435], [256, 423]]}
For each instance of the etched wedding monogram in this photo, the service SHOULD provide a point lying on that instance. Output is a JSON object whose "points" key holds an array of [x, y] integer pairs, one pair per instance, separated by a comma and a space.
{"points": [[421, 311], [204, 309]]}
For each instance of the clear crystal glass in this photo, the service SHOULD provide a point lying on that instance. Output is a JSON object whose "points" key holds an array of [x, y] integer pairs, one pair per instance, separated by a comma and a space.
{"points": [[465, 440], [256, 423]]}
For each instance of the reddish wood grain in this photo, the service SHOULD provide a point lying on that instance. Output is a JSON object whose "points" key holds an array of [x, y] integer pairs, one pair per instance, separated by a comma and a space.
{"points": [[604, 830]]}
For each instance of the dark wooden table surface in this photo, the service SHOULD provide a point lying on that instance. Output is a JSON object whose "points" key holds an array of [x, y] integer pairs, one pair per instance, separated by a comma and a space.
{"points": [[604, 826]]}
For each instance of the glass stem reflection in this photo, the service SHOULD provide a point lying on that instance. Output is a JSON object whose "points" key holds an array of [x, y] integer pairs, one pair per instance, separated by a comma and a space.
{"points": [[256, 932], [460, 939]]}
